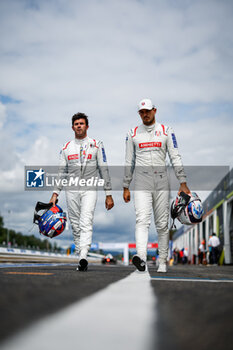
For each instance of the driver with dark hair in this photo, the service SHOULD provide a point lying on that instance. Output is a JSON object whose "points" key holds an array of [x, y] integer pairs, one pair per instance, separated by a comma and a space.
{"points": [[83, 158]]}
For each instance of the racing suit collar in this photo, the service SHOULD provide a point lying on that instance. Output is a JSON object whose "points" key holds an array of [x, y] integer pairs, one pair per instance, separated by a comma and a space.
{"points": [[149, 128], [81, 141]]}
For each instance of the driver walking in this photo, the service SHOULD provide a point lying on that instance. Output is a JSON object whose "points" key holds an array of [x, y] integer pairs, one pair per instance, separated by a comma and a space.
{"points": [[146, 149], [82, 158]]}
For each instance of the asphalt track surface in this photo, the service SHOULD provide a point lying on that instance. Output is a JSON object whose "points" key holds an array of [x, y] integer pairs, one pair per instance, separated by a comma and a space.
{"points": [[194, 304]]}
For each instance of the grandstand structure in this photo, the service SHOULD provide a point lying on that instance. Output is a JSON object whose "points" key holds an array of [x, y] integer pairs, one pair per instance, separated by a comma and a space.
{"points": [[218, 218]]}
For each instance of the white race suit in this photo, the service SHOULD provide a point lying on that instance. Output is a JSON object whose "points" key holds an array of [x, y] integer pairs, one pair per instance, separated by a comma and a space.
{"points": [[82, 159], [146, 149]]}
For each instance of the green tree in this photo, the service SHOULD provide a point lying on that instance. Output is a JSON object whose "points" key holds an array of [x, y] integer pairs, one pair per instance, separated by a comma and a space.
{"points": [[17, 238], [1, 222]]}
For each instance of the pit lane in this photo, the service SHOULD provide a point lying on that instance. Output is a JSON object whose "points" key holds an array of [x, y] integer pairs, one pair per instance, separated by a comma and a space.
{"points": [[189, 313]]}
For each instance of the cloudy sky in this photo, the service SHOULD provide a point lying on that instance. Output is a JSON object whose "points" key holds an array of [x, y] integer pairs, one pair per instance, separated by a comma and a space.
{"points": [[101, 57]]}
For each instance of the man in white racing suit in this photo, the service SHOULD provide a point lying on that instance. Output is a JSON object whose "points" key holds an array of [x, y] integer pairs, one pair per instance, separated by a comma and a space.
{"points": [[146, 149], [81, 159]]}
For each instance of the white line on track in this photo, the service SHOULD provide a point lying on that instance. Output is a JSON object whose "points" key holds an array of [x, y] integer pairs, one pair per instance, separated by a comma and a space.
{"points": [[170, 279], [122, 316]]}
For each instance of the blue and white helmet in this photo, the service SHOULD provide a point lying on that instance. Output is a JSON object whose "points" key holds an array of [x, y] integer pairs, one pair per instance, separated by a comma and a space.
{"points": [[52, 220], [193, 211]]}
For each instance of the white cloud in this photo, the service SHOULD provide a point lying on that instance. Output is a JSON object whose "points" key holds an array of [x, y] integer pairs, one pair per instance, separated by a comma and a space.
{"points": [[207, 141], [2, 114], [102, 57]]}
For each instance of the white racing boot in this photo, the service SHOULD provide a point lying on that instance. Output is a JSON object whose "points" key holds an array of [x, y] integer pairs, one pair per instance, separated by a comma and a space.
{"points": [[162, 268]]}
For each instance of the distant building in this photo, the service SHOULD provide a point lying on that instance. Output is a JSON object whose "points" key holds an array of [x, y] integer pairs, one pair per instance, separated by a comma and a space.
{"points": [[218, 218]]}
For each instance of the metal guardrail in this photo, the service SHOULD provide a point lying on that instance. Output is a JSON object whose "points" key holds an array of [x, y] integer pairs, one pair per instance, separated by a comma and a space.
{"points": [[22, 255]]}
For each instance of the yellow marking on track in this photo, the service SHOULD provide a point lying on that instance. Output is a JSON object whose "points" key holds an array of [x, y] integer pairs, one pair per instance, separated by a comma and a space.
{"points": [[28, 273]]}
